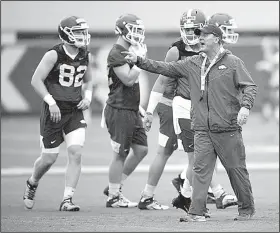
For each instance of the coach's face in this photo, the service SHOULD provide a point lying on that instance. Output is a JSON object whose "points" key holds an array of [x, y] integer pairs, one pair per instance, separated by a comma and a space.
{"points": [[207, 42]]}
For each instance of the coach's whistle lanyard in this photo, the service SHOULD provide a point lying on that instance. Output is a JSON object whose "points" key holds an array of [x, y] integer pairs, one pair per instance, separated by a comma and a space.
{"points": [[204, 73]]}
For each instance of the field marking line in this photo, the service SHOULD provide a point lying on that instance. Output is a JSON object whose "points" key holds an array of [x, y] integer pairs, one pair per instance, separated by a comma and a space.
{"points": [[142, 168]]}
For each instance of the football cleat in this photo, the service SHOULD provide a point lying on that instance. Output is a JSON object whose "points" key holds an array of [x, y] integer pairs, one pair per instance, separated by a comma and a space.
{"points": [[182, 202], [29, 195], [68, 205], [193, 218], [149, 203], [211, 198], [106, 191], [178, 183], [226, 200], [120, 201]]}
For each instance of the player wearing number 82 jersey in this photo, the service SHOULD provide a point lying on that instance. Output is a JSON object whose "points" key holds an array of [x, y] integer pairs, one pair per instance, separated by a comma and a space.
{"points": [[58, 79]]}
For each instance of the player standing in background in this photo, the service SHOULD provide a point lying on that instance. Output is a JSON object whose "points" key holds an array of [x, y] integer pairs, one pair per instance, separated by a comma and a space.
{"points": [[177, 111], [121, 113], [58, 80]]}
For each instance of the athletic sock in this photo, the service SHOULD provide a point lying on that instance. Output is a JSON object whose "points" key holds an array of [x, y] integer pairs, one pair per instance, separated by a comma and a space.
{"points": [[183, 174], [217, 191], [32, 181], [68, 192], [186, 190], [114, 189], [149, 190]]}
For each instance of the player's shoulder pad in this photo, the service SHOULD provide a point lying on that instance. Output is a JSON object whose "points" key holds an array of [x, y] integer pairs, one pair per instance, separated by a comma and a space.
{"points": [[172, 54], [178, 43], [115, 57]]}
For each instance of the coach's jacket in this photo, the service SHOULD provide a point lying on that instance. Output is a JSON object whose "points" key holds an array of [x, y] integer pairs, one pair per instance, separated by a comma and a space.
{"points": [[228, 87]]}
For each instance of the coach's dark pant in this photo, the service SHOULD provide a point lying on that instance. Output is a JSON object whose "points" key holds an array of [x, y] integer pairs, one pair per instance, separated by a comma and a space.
{"points": [[230, 149]]}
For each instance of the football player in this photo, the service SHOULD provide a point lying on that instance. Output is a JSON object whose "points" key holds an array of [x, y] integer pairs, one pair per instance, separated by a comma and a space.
{"points": [[121, 113], [58, 80]]}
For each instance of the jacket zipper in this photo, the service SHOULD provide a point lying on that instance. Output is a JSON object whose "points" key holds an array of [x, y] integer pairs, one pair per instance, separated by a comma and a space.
{"points": [[207, 101]]}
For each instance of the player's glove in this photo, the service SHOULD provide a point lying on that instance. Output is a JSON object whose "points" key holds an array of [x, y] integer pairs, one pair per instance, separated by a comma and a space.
{"points": [[139, 49], [148, 119]]}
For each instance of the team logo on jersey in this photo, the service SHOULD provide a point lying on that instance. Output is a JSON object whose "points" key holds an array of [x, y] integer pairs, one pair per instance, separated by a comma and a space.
{"points": [[222, 67]]}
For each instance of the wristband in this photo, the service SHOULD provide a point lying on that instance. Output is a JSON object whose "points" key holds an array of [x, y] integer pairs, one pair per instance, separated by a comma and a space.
{"points": [[136, 68], [49, 100], [88, 95]]}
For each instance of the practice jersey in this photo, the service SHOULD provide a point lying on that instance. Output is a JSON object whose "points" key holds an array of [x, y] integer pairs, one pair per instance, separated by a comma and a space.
{"points": [[172, 87], [64, 82], [120, 95]]}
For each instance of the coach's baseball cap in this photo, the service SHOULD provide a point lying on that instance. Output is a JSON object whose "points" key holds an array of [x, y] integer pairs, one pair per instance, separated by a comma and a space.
{"points": [[209, 29]]}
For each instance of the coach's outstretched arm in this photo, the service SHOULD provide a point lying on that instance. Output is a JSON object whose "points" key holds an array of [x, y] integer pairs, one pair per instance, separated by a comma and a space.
{"points": [[175, 69]]}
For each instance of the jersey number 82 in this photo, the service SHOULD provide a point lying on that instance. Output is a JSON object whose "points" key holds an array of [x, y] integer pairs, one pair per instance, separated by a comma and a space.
{"points": [[67, 75]]}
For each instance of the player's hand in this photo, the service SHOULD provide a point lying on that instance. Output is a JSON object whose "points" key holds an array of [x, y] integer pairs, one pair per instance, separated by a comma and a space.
{"points": [[243, 116], [139, 49], [55, 113], [84, 104], [148, 119], [130, 57]]}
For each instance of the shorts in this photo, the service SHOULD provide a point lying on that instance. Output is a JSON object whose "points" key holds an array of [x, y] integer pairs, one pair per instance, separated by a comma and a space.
{"points": [[182, 122], [125, 128], [53, 134], [186, 135], [167, 137]]}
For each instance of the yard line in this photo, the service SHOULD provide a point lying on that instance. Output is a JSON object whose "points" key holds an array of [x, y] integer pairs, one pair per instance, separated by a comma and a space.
{"points": [[143, 168]]}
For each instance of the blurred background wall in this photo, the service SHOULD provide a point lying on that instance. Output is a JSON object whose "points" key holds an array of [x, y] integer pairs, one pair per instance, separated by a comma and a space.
{"points": [[29, 29]]}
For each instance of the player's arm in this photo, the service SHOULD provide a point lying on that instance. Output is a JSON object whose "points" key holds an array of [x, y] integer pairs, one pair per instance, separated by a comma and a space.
{"points": [[88, 85], [37, 82], [126, 75], [41, 73], [160, 84]]}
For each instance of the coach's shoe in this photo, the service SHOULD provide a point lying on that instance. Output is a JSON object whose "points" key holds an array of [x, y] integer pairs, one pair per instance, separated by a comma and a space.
{"points": [[182, 202], [68, 205], [29, 195], [178, 183], [119, 201], [211, 198], [149, 203], [226, 200], [193, 218], [244, 217]]}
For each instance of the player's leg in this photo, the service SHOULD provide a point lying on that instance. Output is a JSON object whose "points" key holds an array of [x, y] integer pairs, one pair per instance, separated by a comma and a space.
{"points": [[186, 136], [120, 124], [49, 142], [74, 135], [167, 143], [231, 151]]}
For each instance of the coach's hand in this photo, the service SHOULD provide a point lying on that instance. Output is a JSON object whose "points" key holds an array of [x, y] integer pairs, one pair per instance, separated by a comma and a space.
{"points": [[84, 104], [55, 113], [148, 119], [243, 116], [130, 56]]}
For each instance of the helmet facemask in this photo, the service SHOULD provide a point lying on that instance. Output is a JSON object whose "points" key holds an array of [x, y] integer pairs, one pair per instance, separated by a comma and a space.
{"points": [[78, 35], [229, 36], [187, 33], [135, 33]]}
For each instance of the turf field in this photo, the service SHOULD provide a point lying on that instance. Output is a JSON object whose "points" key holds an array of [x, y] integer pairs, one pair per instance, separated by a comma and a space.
{"points": [[20, 147]]}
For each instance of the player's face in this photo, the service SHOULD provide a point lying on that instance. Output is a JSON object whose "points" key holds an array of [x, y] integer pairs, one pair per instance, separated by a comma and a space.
{"points": [[207, 42], [80, 35]]}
